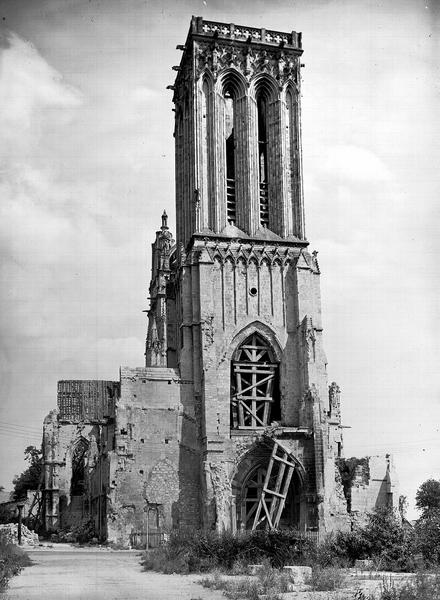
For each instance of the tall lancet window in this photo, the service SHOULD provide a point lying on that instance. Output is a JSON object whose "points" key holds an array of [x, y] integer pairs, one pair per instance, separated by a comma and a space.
{"points": [[205, 142], [262, 160], [231, 210], [290, 145]]}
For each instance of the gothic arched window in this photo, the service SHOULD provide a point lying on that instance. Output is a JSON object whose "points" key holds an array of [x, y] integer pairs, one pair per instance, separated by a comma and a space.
{"points": [[254, 397]]}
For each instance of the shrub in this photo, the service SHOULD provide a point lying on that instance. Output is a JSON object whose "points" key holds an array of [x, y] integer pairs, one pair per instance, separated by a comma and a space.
{"points": [[353, 545], [273, 579], [326, 579], [331, 552], [382, 538], [12, 560]]}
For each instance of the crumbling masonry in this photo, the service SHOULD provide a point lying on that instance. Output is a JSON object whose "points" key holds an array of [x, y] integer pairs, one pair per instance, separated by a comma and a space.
{"points": [[231, 424]]}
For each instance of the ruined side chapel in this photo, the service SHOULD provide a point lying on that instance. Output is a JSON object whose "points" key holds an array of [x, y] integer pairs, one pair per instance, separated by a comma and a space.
{"points": [[232, 423]]}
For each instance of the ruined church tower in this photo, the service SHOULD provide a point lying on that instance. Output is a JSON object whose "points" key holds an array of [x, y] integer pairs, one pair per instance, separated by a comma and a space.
{"points": [[238, 302], [230, 424]]}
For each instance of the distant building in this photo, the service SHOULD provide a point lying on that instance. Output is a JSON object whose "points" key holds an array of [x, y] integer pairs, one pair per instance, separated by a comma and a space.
{"points": [[231, 424]]}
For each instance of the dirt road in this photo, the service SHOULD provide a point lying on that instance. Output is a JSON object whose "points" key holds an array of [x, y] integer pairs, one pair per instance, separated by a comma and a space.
{"points": [[99, 575]]}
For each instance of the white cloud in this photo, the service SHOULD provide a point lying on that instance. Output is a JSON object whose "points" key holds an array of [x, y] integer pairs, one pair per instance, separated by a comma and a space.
{"points": [[28, 87]]}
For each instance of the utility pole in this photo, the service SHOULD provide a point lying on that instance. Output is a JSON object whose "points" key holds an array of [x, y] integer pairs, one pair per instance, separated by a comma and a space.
{"points": [[20, 515]]}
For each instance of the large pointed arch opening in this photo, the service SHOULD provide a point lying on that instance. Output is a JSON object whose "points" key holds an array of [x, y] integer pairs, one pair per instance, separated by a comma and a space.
{"points": [[255, 401], [268, 488]]}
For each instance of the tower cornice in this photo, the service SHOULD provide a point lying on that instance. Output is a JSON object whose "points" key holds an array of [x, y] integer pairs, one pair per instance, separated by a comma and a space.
{"points": [[241, 33], [212, 46]]}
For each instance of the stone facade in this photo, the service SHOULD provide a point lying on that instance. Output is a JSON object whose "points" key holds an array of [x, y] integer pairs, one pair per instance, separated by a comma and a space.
{"points": [[231, 424]]}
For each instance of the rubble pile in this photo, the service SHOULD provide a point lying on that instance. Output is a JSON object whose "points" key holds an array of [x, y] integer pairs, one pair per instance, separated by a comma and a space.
{"points": [[10, 533]]}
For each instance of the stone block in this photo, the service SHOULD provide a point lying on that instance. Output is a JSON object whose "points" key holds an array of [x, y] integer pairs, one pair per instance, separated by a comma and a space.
{"points": [[364, 564]]}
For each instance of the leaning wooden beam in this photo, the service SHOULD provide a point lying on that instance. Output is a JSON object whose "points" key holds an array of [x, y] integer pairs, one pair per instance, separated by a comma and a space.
{"points": [[285, 490], [283, 469], [261, 502]]}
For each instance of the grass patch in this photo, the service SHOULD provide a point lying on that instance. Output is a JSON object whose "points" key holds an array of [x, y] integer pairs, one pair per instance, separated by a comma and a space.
{"points": [[12, 560]]}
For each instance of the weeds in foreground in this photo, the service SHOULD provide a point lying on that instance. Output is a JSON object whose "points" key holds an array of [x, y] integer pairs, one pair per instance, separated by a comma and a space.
{"points": [[12, 560], [269, 581], [326, 579], [424, 586]]}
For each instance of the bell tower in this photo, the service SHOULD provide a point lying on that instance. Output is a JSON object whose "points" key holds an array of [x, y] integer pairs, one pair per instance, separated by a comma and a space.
{"points": [[235, 306], [237, 132], [231, 423]]}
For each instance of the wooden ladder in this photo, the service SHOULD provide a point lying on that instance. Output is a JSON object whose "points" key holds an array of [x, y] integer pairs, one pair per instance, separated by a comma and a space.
{"points": [[271, 503]]}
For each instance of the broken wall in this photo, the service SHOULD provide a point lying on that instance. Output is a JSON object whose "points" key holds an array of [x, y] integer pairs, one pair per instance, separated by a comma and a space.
{"points": [[154, 467], [369, 482], [76, 438]]}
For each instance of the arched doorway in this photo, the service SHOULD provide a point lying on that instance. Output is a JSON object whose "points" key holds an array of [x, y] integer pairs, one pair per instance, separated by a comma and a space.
{"points": [[268, 500], [250, 497]]}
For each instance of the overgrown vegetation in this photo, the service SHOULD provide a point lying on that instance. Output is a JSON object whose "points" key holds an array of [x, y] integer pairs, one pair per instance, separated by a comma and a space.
{"points": [[268, 581], [12, 560], [386, 539], [383, 539], [189, 551]]}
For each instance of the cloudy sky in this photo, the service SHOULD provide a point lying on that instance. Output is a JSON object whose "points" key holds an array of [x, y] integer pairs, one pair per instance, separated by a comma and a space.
{"points": [[87, 167]]}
